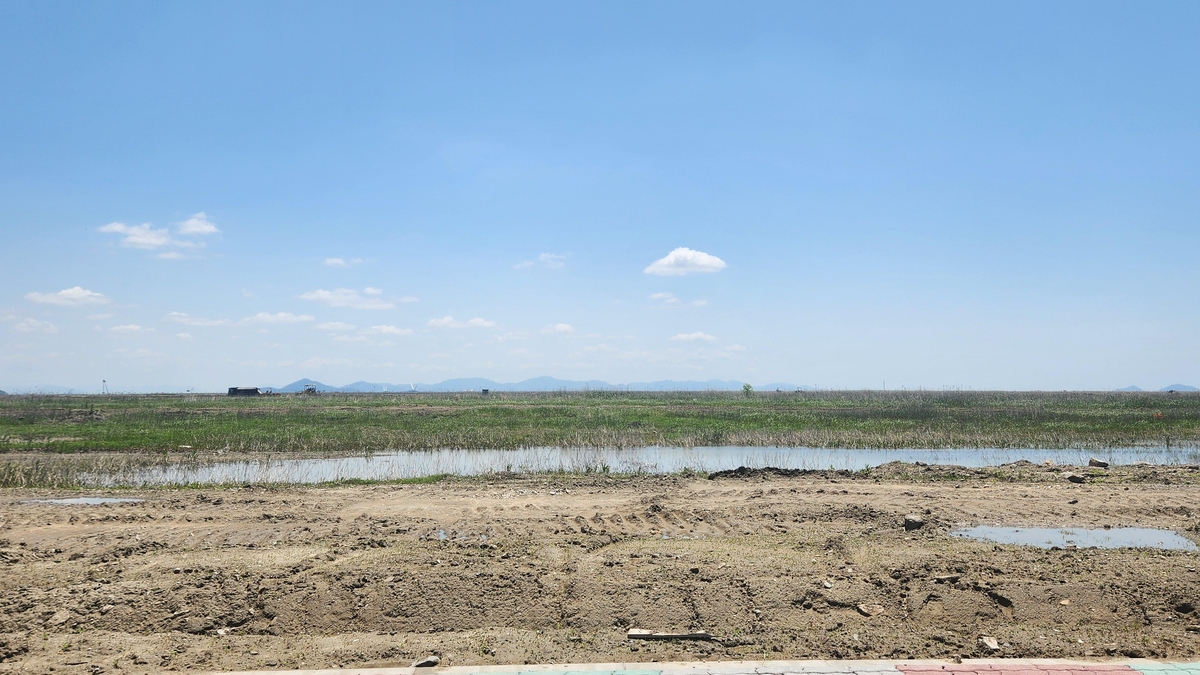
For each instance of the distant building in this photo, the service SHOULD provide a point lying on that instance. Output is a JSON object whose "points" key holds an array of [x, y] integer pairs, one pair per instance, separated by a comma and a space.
{"points": [[244, 391]]}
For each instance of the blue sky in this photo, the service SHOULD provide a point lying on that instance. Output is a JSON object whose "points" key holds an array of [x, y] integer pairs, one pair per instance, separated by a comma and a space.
{"points": [[975, 195]]}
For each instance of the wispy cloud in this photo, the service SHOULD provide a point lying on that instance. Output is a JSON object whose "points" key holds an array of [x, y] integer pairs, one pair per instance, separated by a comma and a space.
{"points": [[278, 317], [334, 325], [690, 337], [180, 317], [553, 261], [148, 237], [127, 328], [559, 328], [139, 236], [348, 297], [184, 336], [451, 322], [69, 297], [683, 261], [198, 224], [669, 300], [388, 330], [35, 326], [341, 262]]}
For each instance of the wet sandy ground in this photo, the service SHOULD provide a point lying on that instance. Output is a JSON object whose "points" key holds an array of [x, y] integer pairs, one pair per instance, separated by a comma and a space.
{"points": [[542, 570]]}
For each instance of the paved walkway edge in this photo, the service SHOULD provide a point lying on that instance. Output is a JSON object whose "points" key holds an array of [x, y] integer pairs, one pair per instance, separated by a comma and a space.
{"points": [[807, 667]]}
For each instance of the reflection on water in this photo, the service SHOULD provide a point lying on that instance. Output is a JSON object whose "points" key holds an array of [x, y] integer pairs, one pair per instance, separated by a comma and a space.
{"points": [[417, 463], [1046, 537], [90, 501]]}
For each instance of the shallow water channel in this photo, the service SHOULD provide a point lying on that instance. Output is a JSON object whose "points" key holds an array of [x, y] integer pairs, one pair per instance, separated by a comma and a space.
{"points": [[417, 463], [84, 501]]}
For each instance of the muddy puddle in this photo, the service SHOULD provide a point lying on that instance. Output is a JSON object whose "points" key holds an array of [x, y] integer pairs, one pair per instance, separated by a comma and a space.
{"points": [[1079, 537]]}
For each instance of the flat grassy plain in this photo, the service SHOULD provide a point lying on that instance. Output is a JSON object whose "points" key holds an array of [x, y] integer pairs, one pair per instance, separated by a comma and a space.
{"points": [[357, 423]]}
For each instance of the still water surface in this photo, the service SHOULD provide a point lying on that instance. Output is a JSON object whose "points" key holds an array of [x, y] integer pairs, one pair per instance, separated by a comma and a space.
{"points": [[413, 464], [84, 501]]}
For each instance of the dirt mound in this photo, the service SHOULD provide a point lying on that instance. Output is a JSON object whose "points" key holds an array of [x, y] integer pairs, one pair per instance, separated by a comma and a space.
{"points": [[517, 570]]}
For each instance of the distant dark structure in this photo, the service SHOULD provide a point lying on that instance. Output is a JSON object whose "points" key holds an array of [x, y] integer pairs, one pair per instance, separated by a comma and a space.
{"points": [[244, 391], [485, 392]]}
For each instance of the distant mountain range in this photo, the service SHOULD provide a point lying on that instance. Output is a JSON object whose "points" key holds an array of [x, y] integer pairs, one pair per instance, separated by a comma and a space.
{"points": [[535, 384], [1170, 387]]}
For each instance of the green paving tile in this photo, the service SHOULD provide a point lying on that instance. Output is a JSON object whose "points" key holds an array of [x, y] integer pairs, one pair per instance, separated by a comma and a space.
{"points": [[1168, 668]]}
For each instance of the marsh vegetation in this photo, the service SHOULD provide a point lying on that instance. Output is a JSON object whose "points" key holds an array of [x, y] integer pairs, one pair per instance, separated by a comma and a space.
{"points": [[358, 423]]}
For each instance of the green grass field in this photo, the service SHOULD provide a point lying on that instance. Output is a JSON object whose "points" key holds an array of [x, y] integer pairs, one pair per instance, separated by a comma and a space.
{"points": [[354, 423]]}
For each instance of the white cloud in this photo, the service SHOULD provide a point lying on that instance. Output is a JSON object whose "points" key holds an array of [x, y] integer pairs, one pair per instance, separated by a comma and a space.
{"points": [[184, 336], [127, 328], [559, 328], [553, 260], [69, 297], [683, 261], [180, 317], [278, 317], [100, 317], [139, 236], [450, 322], [373, 291], [170, 255], [689, 337], [698, 303], [35, 326], [523, 265], [388, 330], [333, 325], [347, 297], [735, 348], [198, 224], [341, 262], [351, 338]]}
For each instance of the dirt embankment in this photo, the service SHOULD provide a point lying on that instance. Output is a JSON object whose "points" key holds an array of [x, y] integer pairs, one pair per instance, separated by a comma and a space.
{"points": [[522, 570]]}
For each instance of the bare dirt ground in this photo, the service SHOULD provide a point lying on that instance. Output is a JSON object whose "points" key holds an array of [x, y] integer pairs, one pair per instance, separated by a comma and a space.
{"points": [[532, 569]]}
